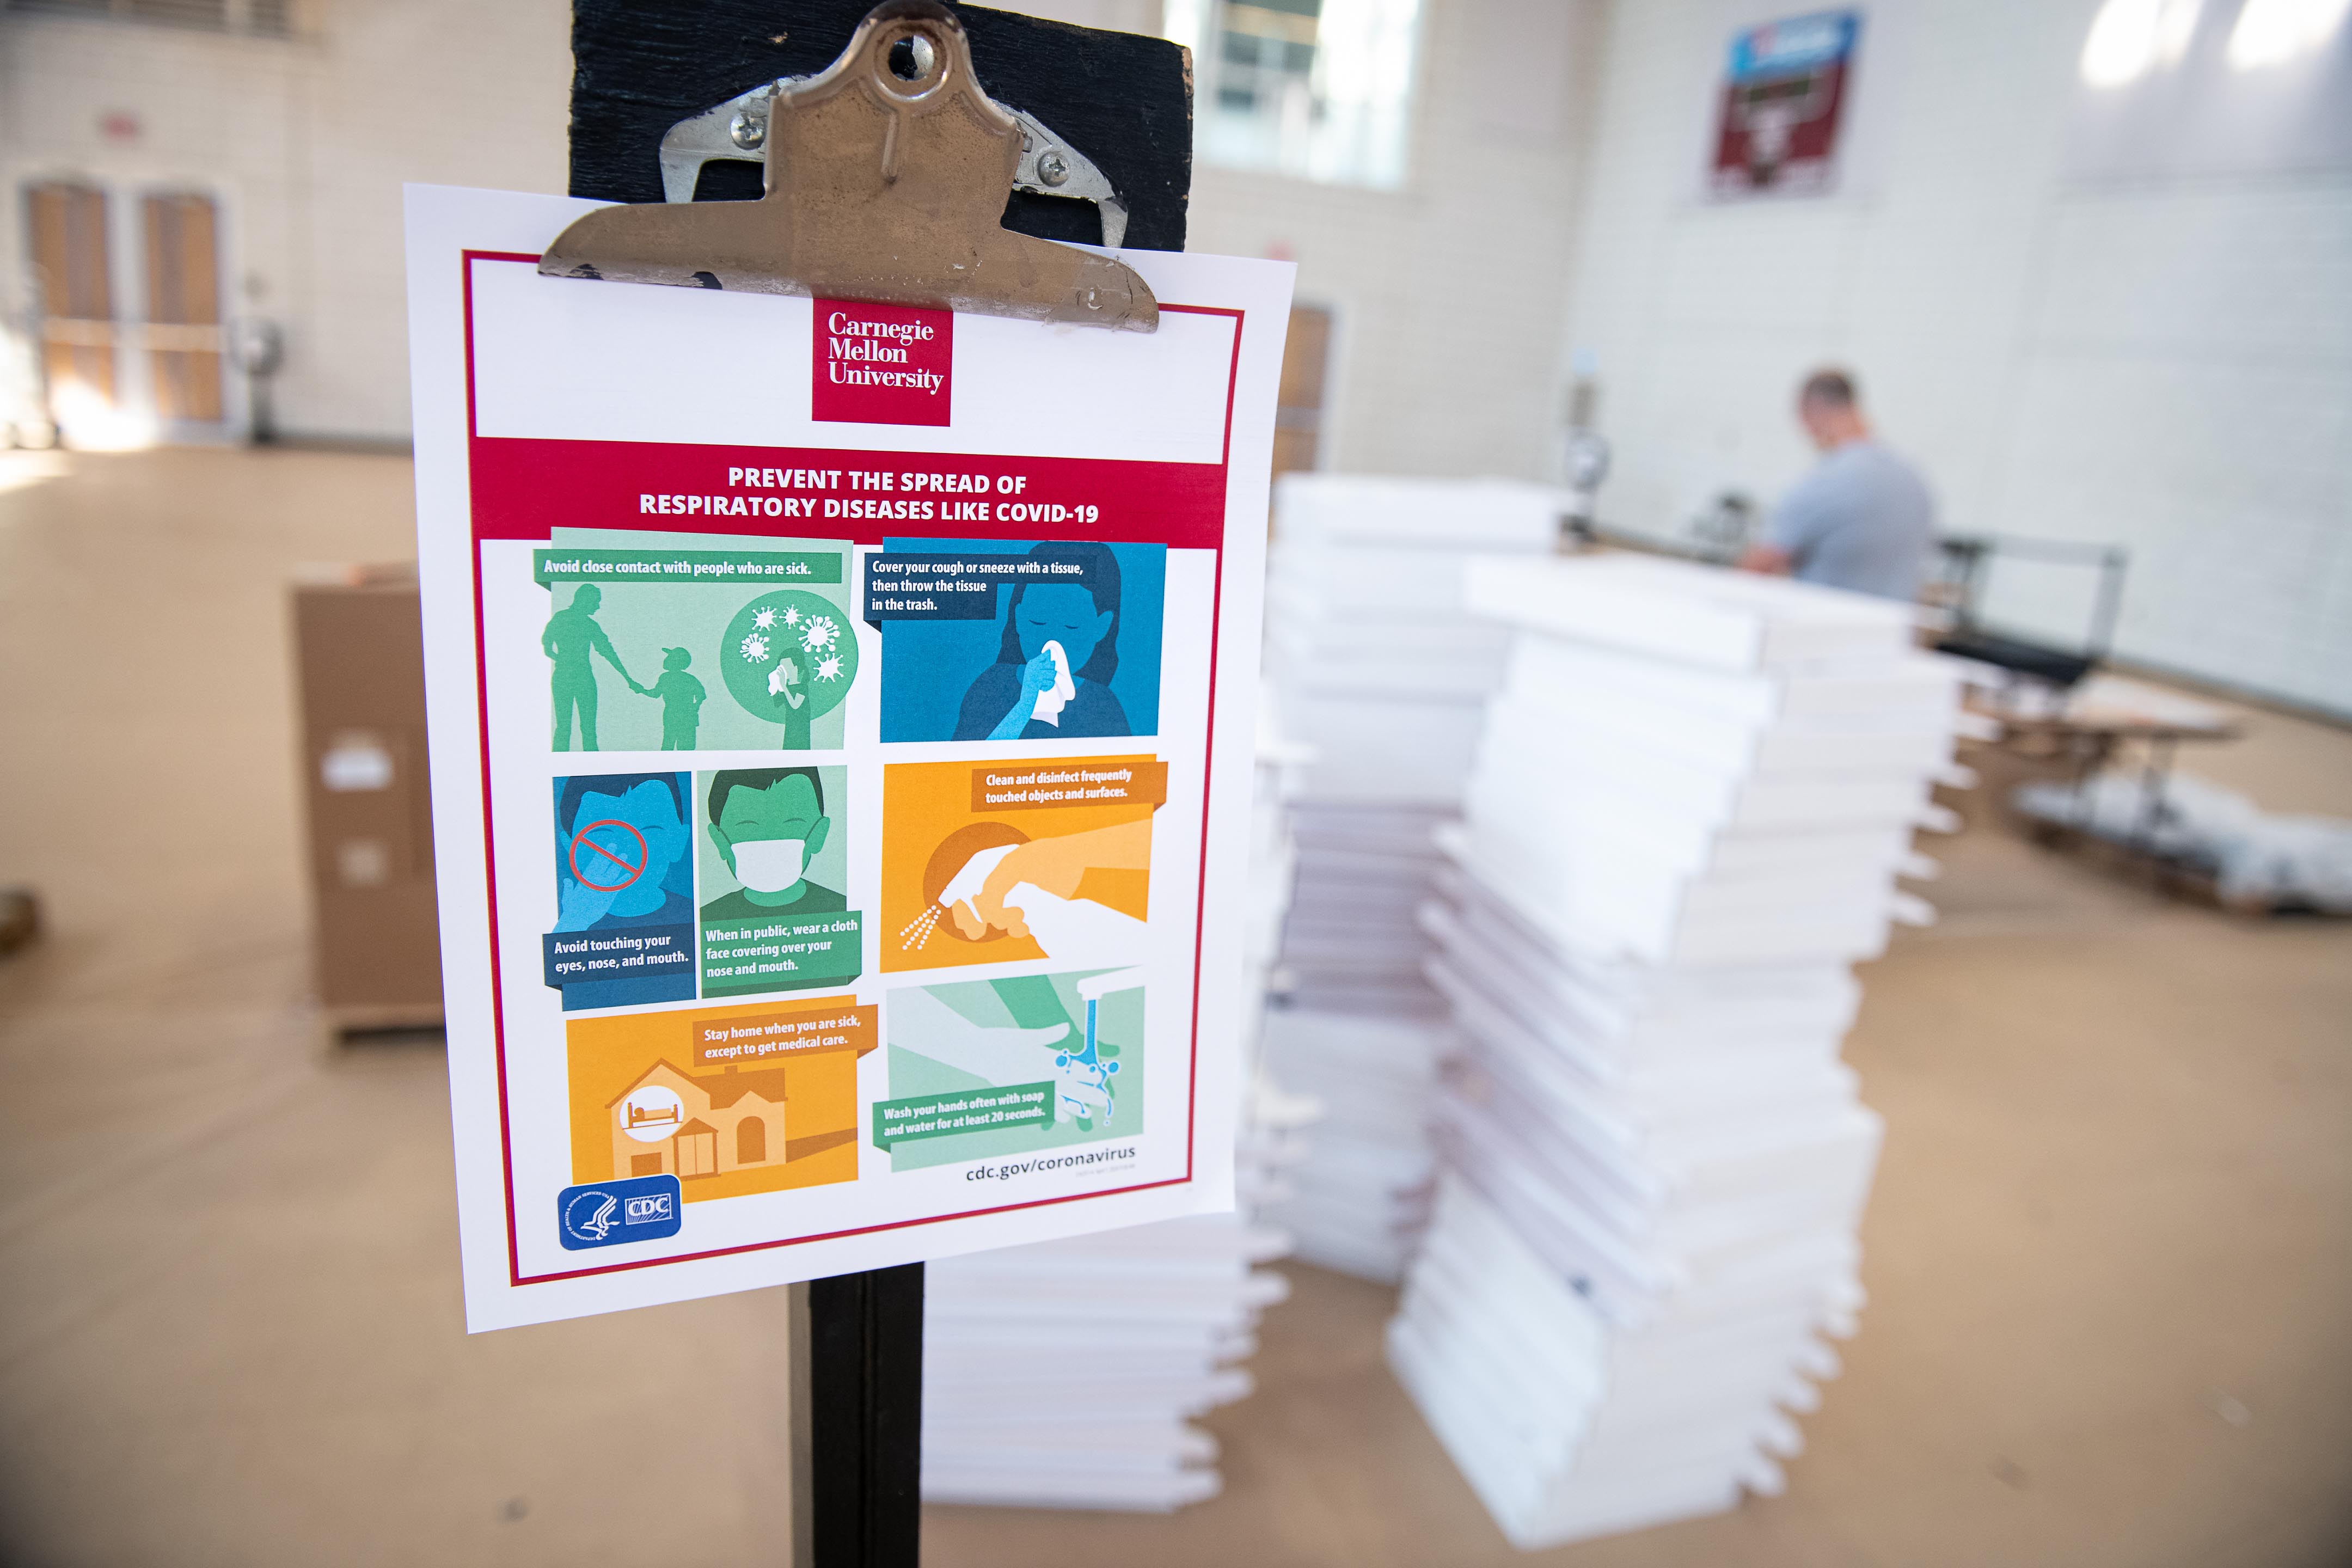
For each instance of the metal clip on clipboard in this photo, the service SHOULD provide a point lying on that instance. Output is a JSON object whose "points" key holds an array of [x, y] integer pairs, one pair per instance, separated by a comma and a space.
{"points": [[735, 130], [886, 172]]}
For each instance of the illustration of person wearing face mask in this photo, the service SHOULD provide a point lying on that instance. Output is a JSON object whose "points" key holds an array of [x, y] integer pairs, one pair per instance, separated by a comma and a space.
{"points": [[1059, 651], [769, 823]]}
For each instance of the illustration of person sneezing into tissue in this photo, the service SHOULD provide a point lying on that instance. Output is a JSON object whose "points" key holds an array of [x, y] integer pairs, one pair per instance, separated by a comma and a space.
{"points": [[768, 825], [788, 691], [1059, 651]]}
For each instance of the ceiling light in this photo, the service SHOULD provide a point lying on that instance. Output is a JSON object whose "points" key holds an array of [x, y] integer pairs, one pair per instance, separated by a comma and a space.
{"points": [[2272, 32], [2130, 38]]}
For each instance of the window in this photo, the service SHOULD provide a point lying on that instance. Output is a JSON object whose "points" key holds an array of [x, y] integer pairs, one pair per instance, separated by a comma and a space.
{"points": [[126, 349], [2128, 38], [2273, 32], [1319, 89], [261, 18]]}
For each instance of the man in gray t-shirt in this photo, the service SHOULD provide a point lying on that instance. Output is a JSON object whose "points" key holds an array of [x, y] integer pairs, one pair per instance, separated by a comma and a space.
{"points": [[1862, 518]]}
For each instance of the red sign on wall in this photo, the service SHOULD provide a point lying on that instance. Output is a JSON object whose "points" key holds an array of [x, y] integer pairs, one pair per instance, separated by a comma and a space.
{"points": [[1783, 95], [881, 364]]}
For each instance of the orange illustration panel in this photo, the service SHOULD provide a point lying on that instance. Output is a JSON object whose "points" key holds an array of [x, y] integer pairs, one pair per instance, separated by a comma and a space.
{"points": [[1026, 859], [753, 1099]]}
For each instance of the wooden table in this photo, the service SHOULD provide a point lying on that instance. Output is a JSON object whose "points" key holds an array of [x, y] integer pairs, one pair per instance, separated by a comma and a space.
{"points": [[2089, 727]]}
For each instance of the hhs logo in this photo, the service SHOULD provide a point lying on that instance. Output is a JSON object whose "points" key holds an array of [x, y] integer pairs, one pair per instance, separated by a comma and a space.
{"points": [[881, 364], [606, 1213]]}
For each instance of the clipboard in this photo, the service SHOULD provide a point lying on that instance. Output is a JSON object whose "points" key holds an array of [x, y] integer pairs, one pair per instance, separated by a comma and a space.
{"points": [[646, 68], [889, 176], [885, 178]]}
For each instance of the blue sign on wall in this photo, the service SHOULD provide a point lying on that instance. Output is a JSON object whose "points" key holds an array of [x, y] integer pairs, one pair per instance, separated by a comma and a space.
{"points": [[1796, 44]]}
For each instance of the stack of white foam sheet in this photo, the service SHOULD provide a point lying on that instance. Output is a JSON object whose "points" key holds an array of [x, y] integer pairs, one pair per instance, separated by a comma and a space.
{"points": [[1689, 811], [1273, 1140], [1566, 1423], [1067, 1375], [1272, 861], [1382, 670], [1357, 1200], [1384, 676]]}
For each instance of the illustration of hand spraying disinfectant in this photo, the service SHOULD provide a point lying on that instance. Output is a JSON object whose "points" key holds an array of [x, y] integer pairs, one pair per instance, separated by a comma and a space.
{"points": [[1076, 931], [1030, 889], [960, 898]]}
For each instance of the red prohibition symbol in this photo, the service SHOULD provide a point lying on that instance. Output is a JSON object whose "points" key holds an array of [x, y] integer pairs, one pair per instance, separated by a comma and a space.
{"points": [[617, 865]]}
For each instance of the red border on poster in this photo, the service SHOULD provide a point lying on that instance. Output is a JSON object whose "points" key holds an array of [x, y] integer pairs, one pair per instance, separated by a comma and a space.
{"points": [[519, 487]]}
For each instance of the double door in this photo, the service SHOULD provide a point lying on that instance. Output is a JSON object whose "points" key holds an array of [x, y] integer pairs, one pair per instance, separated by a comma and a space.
{"points": [[106, 360]]}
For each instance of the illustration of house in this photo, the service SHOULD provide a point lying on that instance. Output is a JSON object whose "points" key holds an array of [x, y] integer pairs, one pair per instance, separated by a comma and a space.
{"points": [[645, 1102], [730, 1121]]}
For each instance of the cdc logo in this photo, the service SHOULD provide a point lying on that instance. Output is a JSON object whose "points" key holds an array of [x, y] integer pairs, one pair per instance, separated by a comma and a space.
{"points": [[609, 1213]]}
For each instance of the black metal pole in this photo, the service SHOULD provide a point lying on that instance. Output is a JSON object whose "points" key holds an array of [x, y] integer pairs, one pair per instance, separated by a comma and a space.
{"points": [[865, 1418]]}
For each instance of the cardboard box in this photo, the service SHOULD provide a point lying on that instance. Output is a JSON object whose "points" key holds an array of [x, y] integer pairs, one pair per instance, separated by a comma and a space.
{"points": [[359, 663]]}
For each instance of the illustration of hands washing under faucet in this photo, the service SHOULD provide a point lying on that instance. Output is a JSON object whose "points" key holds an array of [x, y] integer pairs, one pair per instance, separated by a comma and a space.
{"points": [[1085, 1080]]}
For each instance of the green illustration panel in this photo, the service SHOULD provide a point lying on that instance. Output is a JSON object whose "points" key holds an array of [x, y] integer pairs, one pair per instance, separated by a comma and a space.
{"points": [[1079, 1036], [660, 641], [790, 952], [1018, 1105], [772, 859]]}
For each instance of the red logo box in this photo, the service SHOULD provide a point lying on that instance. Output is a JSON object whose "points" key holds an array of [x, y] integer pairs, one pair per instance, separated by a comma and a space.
{"points": [[881, 364]]}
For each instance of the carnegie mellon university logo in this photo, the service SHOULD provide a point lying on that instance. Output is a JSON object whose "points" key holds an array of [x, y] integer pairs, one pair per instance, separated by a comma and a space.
{"points": [[881, 364]]}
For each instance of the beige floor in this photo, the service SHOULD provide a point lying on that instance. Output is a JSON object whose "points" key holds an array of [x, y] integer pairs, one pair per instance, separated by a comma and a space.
{"points": [[2109, 1255]]}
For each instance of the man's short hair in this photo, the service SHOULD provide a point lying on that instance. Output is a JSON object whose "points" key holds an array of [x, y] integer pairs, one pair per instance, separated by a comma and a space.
{"points": [[579, 787], [728, 780], [1831, 388]]}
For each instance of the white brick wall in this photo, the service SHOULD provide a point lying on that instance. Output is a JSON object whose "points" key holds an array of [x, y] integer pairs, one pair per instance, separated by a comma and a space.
{"points": [[2164, 365], [1446, 294], [306, 144], [2168, 366], [1119, 15]]}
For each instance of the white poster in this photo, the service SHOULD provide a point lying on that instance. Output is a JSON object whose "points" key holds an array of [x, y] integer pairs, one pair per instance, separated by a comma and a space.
{"points": [[840, 721]]}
